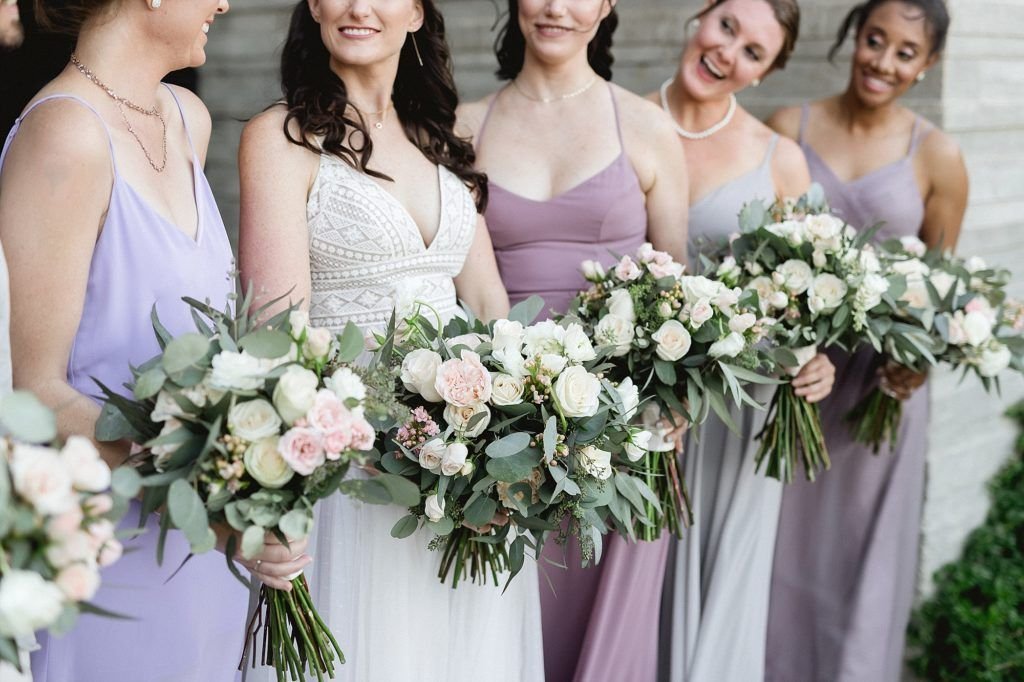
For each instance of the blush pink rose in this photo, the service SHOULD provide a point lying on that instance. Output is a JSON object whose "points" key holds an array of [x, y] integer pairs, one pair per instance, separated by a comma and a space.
{"points": [[463, 382], [78, 582], [363, 434], [337, 441], [110, 552], [627, 269], [328, 412], [302, 448]]}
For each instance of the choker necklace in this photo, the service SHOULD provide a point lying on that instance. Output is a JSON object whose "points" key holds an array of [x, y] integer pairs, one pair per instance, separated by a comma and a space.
{"points": [[557, 98], [123, 102], [383, 113], [701, 134]]}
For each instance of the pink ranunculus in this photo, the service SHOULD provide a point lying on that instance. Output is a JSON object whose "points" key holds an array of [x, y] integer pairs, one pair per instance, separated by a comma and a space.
{"points": [[337, 441], [362, 434], [627, 270], [463, 382], [302, 448], [78, 582], [646, 252], [328, 412]]}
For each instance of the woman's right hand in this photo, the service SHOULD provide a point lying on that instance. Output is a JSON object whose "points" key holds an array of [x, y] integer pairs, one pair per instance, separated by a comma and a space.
{"points": [[277, 563]]}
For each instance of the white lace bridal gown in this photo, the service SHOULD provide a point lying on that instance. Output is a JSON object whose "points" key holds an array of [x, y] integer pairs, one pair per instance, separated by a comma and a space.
{"points": [[394, 619]]}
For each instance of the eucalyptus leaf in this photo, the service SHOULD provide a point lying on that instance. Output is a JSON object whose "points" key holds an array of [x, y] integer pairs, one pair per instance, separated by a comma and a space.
{"points": [[187, 512], [370, 491], [405, 526], [252, 541], [402, 491], [296, 524], [481, 511], [512, 444], [184, 352], [268, 344], [149, 383], [443, 527], [26, 418], [350, 343], [526, 311], [514, 468], [124, 481]]}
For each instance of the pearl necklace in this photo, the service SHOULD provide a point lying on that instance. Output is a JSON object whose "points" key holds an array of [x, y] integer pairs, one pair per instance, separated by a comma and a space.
{"points": [[702, 134], [557, 98]]}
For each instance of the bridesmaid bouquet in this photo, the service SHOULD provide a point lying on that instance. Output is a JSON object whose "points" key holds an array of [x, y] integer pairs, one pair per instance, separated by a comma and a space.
{"points": [[56, 525], [506, 432], [241, 428], [689, 342], [822, 284], [957, 313]]}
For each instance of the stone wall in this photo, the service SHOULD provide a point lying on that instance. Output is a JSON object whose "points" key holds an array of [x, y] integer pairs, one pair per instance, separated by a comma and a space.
{"points": [[977, 94]]}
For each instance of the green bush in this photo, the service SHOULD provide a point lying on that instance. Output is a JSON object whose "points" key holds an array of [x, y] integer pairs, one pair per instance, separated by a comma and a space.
{"points": [[973, 626]]}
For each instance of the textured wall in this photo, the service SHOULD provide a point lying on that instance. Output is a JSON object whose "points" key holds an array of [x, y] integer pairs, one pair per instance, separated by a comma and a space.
{"points": [[977, 93]]}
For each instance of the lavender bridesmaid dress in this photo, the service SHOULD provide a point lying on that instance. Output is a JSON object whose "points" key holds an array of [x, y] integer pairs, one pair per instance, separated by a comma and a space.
{"points": [[189, 627], [600, 623], [716, 589], [846, 553]]}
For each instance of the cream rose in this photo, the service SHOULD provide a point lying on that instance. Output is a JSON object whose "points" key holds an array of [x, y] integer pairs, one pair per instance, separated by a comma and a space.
{"points": [[577, 344], [319, 343], [616, 332], [295, 393], [264, 463], [592, 270], [596, 462], [826, 293], [460, 417], [729, 347], [620, 304], [42, 477], [347, 385], [506, 390], [638, 445], [673, 341], [432, 453], [796, 276], [419, 372], [89, 473], [434, 508], [977, 327], [994, 358], [913, 245], [697, 288], [454, 459], [27, 603], [743, 322], [629, 395], [253, 420], [576, 392], [166, 408], [163, 453], [701, 312], [241, 371]]}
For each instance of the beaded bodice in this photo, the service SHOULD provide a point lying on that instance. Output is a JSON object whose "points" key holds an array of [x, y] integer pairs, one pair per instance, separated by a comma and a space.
{"points": [[367, 253]]}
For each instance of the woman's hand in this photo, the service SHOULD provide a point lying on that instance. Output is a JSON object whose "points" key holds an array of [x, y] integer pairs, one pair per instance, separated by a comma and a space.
{"points": [[675, 430], [814, 381], [899, 382], [275, 565]]}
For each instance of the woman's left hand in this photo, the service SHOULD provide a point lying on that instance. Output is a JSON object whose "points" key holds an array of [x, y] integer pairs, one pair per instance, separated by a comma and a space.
{"points": [[898, 381], [814, 381]]}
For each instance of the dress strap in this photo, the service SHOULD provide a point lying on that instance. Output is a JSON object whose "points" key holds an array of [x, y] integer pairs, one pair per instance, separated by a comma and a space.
{"points": [[805, 111], [184, 119], [75, 98], [483, 124], [917, 135], [771, 150], [618, 122]]}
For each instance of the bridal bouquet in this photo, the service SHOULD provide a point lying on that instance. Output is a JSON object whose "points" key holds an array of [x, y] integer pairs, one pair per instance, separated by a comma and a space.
{"points": [[958, 313], [506, 433], [56, 525], [689, 342], [823, 285], [242, 429]]}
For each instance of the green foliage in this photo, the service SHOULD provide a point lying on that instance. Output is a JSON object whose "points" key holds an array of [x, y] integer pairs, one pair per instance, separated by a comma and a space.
{"points": [[973, 627]]}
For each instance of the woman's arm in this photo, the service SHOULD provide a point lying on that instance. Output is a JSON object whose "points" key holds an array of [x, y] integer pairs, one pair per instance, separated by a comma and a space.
{"points": [[946, 202], [479, 284], [54, 193], [273, 238], [789, 169]]}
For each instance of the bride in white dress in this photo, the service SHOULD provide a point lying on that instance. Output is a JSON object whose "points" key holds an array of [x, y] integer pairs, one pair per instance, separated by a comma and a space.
{"points": [[347, 228]]}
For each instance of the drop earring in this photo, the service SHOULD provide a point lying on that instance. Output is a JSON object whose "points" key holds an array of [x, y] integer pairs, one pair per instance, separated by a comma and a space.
{"points": [[416, 47]]}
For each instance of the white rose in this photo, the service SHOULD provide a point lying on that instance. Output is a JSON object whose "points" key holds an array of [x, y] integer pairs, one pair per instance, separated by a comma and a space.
{"points": [[295, 393], [166, 408], [616, 332], [298, 320], [913, 245], [638, 445], [828, 292], [977, 327], [592, 270], [916, 294], [508, 334], [459, 417], [728, 270], [824, 231], [673, 340], [237, 371], [78, 582], [697, 288], [994, 359], [914, 269], [743, 322], [726, 299], [871, 289], [506, 390], [346, 384], [731, 346], [701, 312], [265, 464], [319, 343], [576, 392], [943, 282], [553, 364], [254, 420], [629, 395], [869, 261], [89, 473], [975, 264], [620, 304], [409, 292], [543, 337], [434, 508], [957, 334], [454, 459], [596, 462], [791, 230], [470, 341], [41, 477], [419, 373], [577, 344], [27, 603], [432, 453], [796, 275]]}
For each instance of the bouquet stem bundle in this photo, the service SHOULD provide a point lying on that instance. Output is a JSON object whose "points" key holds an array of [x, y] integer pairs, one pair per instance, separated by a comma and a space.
{"points": [[467, 554], [876, 419], [792, 432], [660, 471]]}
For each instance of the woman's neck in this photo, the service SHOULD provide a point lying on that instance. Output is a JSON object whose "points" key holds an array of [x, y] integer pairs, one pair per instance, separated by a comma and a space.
{"points": [[106, 49], [369, 87], [691, 113], [546, 81], [854, 116]]}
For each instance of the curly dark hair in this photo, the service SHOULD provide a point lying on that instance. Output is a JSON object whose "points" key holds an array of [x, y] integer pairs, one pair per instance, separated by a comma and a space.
{"points": [[424, 99], [934, 12], [510, 45]]}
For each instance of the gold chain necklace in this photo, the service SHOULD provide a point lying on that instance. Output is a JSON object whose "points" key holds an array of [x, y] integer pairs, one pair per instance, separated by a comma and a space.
{"points": [[123, 102], [383, 113]]}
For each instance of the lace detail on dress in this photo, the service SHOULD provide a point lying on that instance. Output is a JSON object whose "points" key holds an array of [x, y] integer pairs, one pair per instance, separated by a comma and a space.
{"points": [[367, 254]]}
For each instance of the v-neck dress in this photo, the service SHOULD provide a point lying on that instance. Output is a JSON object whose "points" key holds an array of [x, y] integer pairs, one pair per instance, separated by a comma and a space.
{"points": [[847, 546], [188, 627]]}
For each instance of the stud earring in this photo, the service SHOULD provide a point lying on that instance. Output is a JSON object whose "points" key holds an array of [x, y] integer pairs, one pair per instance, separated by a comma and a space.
{"points": [[919, 77], [155, 4], [755, 82]]}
